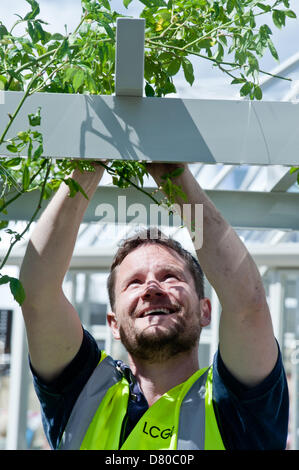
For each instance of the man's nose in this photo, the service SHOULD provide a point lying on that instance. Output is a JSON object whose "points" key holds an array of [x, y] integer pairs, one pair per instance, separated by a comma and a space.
{"points": [[153, 289]]}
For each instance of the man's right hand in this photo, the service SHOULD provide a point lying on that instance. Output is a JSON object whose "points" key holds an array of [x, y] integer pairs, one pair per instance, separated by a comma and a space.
{"points": [[157, 170]]}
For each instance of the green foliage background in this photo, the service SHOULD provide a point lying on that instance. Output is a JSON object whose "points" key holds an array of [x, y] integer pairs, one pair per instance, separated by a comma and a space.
{"points": [[224, 32]]}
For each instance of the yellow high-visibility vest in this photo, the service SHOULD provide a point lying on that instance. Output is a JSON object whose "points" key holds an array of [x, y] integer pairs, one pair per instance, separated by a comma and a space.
{"points": [[183, 418]]}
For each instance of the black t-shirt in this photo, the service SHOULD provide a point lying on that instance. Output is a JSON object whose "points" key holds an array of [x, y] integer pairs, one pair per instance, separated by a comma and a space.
{"points": [[253, 418]]}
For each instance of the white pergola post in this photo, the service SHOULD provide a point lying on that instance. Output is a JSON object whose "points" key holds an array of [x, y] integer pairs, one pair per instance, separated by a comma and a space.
{"points": [[129, 58], [19, 386], [276, 304], [216, 312]]}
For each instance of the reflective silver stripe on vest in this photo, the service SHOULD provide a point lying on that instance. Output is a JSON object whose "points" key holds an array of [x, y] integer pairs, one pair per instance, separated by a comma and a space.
{"points": [[191, 432], [103, 377]]}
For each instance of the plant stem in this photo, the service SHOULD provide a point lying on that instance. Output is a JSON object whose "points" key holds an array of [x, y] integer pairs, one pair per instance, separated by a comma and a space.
{"points": [[232, 64], [16, 111], [113, 172], [32, 218], [33, 79], [40, 87], [23, 192]]}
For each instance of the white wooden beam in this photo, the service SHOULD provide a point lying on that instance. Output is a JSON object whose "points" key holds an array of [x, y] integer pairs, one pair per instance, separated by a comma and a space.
{"points": [[242, 209], [283, 255], [280, 179], [161, 129]]}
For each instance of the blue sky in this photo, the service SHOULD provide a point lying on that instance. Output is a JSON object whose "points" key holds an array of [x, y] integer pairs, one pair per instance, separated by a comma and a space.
{"points": [[210, 82]]}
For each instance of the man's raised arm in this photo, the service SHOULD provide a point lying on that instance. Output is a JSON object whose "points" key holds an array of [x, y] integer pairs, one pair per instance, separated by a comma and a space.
{"points": [[53, 327], [247, 343]]}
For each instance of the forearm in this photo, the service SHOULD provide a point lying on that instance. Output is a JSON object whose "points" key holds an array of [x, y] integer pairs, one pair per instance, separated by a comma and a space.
{"points": [[224, 258], [51, 245]]}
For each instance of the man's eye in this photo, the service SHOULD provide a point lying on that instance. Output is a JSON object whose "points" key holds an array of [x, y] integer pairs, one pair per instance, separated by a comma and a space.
{"points": [[134, 281], [170, 276]]}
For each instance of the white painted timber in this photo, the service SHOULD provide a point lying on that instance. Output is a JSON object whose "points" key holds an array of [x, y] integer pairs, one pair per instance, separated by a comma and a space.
{"points": [[242, 209], [18, 390], [280, 178], [283, 255], [160, 129], [129, 57]]}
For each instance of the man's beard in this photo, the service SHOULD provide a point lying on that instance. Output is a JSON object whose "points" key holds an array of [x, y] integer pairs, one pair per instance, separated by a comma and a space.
{"points": [[161, 346]]}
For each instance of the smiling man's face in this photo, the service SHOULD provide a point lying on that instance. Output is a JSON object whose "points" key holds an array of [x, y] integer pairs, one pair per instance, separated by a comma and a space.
{"points": [[158, 313]]}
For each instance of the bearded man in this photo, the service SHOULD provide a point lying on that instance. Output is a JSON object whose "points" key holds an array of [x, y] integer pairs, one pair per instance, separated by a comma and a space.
{"points": [[162, 399]]}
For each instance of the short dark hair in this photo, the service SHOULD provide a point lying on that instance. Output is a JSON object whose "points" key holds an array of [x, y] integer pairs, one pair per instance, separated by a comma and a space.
{"points": [[152, 236]]}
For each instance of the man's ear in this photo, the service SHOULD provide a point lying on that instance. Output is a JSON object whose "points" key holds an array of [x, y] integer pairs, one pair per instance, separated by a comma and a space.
{"points": [[205, 311], [112, 322]]}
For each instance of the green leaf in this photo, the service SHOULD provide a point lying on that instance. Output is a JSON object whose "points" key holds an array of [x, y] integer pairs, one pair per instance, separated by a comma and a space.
{"points": [[230, 6], [12, 162], [3, 82], [17, 290], [57, 37], [272, 49], [32, 32], [149, 91], [265, 31], [26, 178], [68, 74], [106, 4], [258, 94], [74, 187], [38, 152], [12, 148], [64, 49], [39, 31], [127, 3], [246, 89], [35, 10], [236, 81], [278, 17], [253, 62], [173, 174], [290, 14], [180, 193], [80, 189], [115, 180], [23, 136], [294, 169], [177, 172], [168, 88], [168, 56], [35, 119], [174, 67], [188, 71], [3, 224], [4, 279], [266, 8], [3, 31], [78, 79], [108, 29]]}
